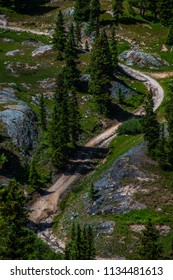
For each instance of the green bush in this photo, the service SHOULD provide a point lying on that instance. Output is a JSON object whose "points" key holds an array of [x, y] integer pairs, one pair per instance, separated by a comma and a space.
{"points": [[131, 127]]}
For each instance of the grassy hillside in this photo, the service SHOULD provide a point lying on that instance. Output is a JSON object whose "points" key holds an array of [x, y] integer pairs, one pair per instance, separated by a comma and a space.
{"points": [[32, 75]]}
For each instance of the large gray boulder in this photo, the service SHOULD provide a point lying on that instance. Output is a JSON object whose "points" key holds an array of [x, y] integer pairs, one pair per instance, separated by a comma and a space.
{"points": [[142, 59], [18, 119]]}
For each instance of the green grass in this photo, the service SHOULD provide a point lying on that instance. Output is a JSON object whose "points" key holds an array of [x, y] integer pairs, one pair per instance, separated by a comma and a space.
{"points": [[119, 146]]}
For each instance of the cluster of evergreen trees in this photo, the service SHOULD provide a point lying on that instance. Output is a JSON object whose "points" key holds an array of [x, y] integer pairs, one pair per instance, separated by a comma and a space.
{"points": [[151, 247], [160, 140], [17, 242], [81, 245]]}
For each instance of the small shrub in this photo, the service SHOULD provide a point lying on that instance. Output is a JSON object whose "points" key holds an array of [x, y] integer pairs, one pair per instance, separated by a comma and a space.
{"points": [[131, 127]]}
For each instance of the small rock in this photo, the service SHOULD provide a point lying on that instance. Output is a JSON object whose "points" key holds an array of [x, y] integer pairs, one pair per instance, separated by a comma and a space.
{"points": [[41, 50], [68, 12], [13, 53], [32, 43], [133, 57]]}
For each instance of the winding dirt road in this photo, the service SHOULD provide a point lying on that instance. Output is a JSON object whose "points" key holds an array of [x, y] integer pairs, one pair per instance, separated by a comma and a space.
{"points": [[47, 204]]}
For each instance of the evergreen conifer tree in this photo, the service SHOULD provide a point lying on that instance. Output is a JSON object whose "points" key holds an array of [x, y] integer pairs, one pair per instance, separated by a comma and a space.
{"points": [[82, 10], [101, 73], [169, 119], [118, 9], [59, 125], [94, 15], [113, 50], [86, 46], [169, 39], [42, 110], [161, 149], [78, 35], [150, 248], [71, 34], [151, 126], [74, 121], [16, 240], [165, 11], [59, 38], [81, 245], [33, 175]]}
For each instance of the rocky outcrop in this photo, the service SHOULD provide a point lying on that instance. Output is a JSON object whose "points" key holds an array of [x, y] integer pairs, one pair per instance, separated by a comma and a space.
{"points": [[116, 87], [115, 192], [18, 119], [41, 50], [139, 58]]}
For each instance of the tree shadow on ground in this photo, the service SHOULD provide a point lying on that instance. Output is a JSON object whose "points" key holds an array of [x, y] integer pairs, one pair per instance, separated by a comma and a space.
{"points": [[132, 20], [37, 8], [13, 168], [84, 160], [118, 113]]}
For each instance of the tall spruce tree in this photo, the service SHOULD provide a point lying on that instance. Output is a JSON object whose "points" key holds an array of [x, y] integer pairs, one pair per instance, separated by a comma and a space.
{"points": [[82, 10], [34, 178], [42, 113], [81, 245], [59, 36], [169, 39], [113, 50], [101, 73], [150, 248], [118, 9], [165, 11], [161, 148], [16, 241], [59, 126], [151, 126], [78, 35], [94, 15], [74, 120], [169, 119]]}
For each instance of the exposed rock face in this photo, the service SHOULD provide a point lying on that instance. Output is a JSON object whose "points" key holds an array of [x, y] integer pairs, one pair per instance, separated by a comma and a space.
{"points": [[14, 52], [116, 86], [68, 12], [41, 50], [19, 120], [132, 57], [115, 192]]}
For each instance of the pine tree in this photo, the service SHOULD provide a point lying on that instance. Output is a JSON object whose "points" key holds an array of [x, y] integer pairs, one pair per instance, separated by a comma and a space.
{"points": [[78, 35], [94, 15], [59, 125], [71, 35], [59, 36], [165, 11], [151, 126], [16, 241], [33, 175], [113, 50], [42, 114], [101, 73], [86, 46], [161, 149], [81, 245], [120, 96], [169, 119], [150, 248], [118, 9], [74, 117], [169, 39], [153, 6], [71, 73], [82, 10]]}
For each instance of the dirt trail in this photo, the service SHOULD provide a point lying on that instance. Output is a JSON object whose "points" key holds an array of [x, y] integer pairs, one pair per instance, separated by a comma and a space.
{"points": [[48, 204], [161, 75], [3, 25]]}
